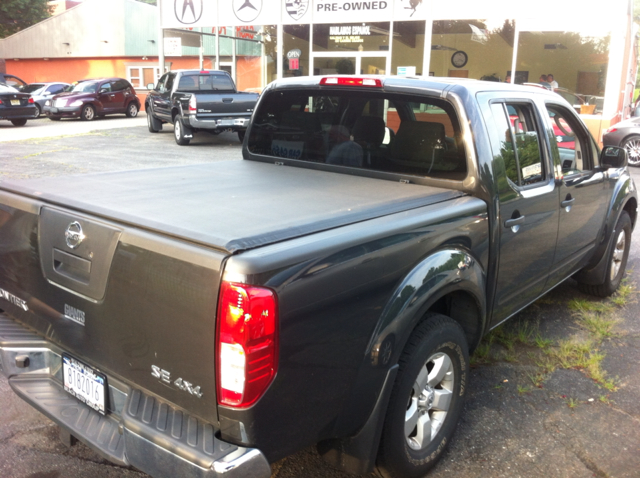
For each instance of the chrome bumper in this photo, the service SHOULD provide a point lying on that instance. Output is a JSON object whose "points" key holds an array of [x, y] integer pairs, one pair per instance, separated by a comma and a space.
{"points": [[220, 123], [139, 429]]}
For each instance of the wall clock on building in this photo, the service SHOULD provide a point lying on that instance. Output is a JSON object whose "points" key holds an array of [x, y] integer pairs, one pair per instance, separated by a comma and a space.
{"points": [[459, 59]]}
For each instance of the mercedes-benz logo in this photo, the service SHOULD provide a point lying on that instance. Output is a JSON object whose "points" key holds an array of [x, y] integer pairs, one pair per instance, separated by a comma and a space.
{"points": [[247, 10], [188, 11], [74, 235]]}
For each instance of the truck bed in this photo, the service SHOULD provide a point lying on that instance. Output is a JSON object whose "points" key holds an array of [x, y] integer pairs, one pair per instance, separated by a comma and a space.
{"points": [[232, 205]]}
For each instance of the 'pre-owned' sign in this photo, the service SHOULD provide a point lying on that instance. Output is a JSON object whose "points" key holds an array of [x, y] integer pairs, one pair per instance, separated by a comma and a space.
{"points": [[331, 11]]}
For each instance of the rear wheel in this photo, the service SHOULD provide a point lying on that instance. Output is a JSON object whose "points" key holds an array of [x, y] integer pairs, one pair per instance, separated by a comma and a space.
{"points": [[427, 398], [617, 260], [180, 131], [132, 110], [88, 113], [38, 111], [19, 122], [632, 147]]}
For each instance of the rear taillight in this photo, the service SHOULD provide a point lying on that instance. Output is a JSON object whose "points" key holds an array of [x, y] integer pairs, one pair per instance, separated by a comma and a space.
{"points": [[31, 100], [192, 104], [246, 343], [349, 81], [611, 130]]}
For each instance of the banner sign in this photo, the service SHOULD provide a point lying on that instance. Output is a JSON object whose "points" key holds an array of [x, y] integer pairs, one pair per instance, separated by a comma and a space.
{"points": [[172, 46], [210, 13]]}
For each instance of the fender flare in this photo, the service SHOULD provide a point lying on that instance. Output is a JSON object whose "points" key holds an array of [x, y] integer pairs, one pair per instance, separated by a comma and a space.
{"points": [[441, 273], [594, 272]]}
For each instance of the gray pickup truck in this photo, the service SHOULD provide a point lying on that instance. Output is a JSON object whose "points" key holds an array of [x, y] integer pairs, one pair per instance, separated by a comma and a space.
{"points": [[198, 100], [208, 320]]}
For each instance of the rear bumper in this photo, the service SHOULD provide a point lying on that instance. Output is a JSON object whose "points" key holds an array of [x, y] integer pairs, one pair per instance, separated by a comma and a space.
{"points": [[218, 123], [138, 430], [18, 112]]}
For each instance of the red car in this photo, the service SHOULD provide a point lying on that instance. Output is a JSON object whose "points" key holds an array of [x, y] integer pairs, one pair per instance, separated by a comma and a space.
{"points": [[91, 98]]}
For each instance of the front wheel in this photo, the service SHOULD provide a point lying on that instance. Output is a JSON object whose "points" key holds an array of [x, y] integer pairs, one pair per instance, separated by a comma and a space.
{"points": [[19, 122], [632, 147], [181, 131], [427, 398], [153, 123], [88, 113], [132, 110], [617, 260]]}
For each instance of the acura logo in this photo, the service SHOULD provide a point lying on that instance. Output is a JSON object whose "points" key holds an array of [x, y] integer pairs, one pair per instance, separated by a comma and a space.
{"points": [[73, 235], [247, 10], [188, 11]]}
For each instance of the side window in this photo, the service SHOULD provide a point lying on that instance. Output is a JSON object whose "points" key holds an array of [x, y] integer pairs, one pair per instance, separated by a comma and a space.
{"points": [[519, 143], [55, 89], [169, 82], [120, 85], [105, 88], [161, 82], [570, 144]]}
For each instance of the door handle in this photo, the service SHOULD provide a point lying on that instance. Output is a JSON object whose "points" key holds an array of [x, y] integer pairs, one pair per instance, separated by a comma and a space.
{"points": [[567, 202], [514, 222], [227, 100]]}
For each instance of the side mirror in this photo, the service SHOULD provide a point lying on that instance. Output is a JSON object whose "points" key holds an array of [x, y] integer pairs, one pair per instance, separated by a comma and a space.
{"points": [[613, 157], [150, 86]]}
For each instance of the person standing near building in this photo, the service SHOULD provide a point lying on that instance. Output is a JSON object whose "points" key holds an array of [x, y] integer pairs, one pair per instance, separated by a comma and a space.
{"points": [[551, 81], [544, 81]]}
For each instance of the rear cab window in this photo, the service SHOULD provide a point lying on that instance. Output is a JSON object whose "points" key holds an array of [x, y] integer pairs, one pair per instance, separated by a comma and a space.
{"points": [[205, 82], [368, 130]]}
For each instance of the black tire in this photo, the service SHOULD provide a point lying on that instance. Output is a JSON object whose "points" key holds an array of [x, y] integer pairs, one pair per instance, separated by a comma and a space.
{"points": [[153, 123], [616, 260], [38, 111], [19, 122], [53, 118], [241, 135], [132, 110], [632, 146], [180, 130], [438, 343], [88, 113]]}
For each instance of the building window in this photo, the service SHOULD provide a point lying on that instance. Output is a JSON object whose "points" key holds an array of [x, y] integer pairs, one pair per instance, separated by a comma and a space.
{"points": [[141, 76]]}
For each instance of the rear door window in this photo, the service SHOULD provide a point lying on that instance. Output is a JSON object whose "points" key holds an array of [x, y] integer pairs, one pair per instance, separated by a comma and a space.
{"points": [[205, 83], [361, 129]]}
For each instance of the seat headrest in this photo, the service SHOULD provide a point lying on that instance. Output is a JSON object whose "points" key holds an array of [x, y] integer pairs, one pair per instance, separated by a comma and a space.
{"points": [[369, 129], [415, 140]]}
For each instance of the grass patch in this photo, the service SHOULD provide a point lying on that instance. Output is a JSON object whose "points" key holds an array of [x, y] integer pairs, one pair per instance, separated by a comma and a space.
{"points": [[572, 403]]}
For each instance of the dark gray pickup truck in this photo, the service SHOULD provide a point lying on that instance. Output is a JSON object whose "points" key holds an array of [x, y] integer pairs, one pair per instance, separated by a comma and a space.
{"points": [[208, 320], [198, 100]]}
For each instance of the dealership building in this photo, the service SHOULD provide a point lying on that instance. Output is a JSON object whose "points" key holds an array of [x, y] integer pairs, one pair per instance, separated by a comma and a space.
{"points": [[589, 50]]}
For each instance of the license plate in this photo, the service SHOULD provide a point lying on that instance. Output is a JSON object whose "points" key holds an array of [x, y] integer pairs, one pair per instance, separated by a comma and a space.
{"points": [[15, 102], [84, 383], [227, 122]]}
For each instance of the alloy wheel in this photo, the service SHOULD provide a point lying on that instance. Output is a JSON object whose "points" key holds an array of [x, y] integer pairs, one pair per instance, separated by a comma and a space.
{"points": [[429, 401], [633, 151], [618, 254]]}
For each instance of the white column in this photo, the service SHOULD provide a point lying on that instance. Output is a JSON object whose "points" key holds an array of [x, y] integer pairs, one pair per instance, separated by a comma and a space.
{"points": [[160, 40], [514, 58], [426, 58], [280, 51]]}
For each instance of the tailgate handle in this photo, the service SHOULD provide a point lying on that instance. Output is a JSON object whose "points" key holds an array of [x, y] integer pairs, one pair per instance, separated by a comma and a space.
{"points": [[227, 100], [71, 266]]}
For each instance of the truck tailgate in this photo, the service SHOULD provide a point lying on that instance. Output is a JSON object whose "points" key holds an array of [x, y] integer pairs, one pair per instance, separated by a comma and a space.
{"points": [[225, 104], [121, 301]]}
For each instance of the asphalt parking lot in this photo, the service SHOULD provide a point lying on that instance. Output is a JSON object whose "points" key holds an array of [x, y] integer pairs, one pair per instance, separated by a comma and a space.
{"points": [[554, 393]]}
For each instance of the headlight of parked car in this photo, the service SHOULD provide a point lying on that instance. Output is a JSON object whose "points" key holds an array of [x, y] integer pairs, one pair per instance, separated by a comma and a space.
{"points": [[76, 103]]}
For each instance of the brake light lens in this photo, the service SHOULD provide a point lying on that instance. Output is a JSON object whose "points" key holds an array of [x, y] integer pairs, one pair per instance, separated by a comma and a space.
{"points": [[193, 105], [31, 100], [611, 130], [348, 81], [246, 343]]}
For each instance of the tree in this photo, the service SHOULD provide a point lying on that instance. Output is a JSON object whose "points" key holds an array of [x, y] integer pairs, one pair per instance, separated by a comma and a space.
{"points": [[16, 15]]}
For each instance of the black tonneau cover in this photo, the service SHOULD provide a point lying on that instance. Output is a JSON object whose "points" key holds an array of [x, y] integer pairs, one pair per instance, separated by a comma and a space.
{"points": [[231, 205]]}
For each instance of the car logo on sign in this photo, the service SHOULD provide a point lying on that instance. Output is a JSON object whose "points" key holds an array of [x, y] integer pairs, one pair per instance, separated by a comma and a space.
{"points": [[188, 11], [297, 8], [74, 235], [247, 10]]}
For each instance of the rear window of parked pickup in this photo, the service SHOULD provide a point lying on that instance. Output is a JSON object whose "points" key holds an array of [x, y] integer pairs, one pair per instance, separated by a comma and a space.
{"points": [[205, 83], [361, 129]]}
